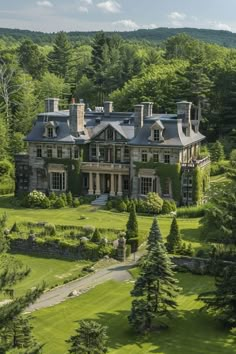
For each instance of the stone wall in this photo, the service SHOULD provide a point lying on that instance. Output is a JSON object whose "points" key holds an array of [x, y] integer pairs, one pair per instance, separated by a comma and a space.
{"points": [[52, 250]]}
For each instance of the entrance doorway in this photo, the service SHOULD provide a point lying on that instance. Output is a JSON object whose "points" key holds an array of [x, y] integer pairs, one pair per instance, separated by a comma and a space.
{"points": [[107, 183]]}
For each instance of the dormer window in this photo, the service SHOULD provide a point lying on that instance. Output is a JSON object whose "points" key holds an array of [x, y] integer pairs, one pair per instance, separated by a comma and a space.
{"points": [[156, 135], [50, 132]]}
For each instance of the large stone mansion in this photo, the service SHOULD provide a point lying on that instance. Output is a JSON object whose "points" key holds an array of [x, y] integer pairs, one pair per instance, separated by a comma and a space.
{"points": [[117, 153]]}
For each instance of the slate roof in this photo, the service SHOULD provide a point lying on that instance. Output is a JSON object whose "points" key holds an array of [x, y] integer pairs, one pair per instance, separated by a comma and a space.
{"points": [[123, 123]]}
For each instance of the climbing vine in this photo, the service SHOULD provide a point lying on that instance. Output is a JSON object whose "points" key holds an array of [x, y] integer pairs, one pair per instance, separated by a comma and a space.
{"points": [[164, 171]]}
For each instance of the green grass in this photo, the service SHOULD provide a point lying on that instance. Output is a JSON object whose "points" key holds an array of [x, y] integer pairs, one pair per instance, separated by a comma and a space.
{"points": [[52, 271], [191, 331], [96, 217]]}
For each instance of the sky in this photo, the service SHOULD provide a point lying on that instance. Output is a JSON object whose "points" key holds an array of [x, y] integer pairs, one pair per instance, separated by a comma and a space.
{"points": [[116, 15]]}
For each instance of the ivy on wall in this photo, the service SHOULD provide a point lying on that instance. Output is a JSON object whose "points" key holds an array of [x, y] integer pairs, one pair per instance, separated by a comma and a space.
{"points": [[73, 168], [164, 171], [201, 180]]}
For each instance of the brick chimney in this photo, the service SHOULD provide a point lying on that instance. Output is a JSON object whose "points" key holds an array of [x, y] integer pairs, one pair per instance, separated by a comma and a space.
{"points": [[76, 118], [148, 106], [138, 117], [108, 107], [51, 105], [184, 113]]}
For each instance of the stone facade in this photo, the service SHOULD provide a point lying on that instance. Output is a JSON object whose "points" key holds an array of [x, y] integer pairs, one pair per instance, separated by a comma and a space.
{"points": [[104, 148]]}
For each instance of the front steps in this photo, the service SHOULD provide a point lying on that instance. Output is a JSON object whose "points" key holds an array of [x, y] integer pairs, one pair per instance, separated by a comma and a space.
{"points": [[100, 201]]}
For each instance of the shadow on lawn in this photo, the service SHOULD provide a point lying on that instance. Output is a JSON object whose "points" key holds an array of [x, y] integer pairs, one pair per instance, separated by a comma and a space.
{"points": [[190, 332]]}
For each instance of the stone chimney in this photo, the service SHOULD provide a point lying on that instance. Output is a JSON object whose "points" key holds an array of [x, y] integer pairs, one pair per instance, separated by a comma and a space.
{"points": [[148, 106], [51, 105], [76, 118], [108, 107], [184, 113], [138, 117]]}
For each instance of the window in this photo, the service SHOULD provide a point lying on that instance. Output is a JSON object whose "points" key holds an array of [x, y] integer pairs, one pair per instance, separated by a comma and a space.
{"points": [[109, 134], [166, 190], [146, 185], [118, 154], [101, 153], [166, 158], [144, 156], [39, 151], [85, 182], [93, 151], [126, 184], [76, 153], [156, 135], [155, 157], [58, 181], [50, 132], [49, 152], [59, 152], [126, 153]]}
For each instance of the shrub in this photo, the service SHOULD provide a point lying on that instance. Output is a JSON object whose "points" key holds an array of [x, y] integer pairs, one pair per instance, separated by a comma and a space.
{"points": [[37, 199], [128, 250], [168, 206], [132, 224], [3, 220], [5, 168], [69, 199], [14, 228], [233, 158], [50, 229], [88, 230], [52, 196], [59, 203], [109, 205], [154, 203], [191, 212], [76, 202], [96, 236], [121, 206]]}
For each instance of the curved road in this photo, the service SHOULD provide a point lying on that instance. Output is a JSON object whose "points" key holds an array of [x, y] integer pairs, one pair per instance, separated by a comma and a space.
{"points": [[118, 272]]}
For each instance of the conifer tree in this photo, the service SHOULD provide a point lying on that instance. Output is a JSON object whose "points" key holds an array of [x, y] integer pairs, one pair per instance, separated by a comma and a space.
{"points": [[96, 236], [156, 287], [222, 301], [217, 152], [174, 238], [132, 224], [90, 338]]}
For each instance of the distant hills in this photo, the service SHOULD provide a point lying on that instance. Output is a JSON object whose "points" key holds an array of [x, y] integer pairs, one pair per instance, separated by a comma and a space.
{"points": [[224, 38]]}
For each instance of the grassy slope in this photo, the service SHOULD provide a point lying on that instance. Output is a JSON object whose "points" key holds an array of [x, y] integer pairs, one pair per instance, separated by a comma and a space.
{"points": [[191, 332], [97, 218], [52, 271]]}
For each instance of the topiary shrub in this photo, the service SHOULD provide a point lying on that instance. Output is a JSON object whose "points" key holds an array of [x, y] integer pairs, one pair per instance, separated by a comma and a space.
{"points": [[59, 203], [168, 206], [121, 206], [96, 238], [14, 228], [76, 202], [50, 229], [69, 198]]}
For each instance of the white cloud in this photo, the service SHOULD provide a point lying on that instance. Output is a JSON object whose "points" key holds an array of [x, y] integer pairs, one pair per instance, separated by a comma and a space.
{"points": [[127, 25], [44, 3], [87, 2], [177, 16], [109, 6], [222, 26], [83, 9]]}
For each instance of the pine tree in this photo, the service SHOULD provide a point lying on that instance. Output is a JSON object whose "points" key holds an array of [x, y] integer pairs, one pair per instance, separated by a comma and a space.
{"points": [[156, 288], [222, 301], [91, 338], [132, 224], [217, 152], [174, 238]]}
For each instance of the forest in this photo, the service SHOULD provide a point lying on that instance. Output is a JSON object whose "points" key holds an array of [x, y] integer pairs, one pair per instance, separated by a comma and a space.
{"points": [[125, 71]]}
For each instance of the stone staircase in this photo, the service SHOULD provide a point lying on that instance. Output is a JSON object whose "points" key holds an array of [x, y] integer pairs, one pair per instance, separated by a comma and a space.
{"points": [[101, 200]]}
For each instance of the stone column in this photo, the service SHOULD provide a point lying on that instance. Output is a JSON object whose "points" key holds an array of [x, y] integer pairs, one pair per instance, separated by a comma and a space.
{"points": [[90, 191], [98, 191], [97, 152], [112, 189], [120, 192]]}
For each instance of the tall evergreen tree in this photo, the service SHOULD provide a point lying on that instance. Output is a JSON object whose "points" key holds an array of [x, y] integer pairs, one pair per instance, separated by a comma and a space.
{"points": [[156, 288], [60, 59], [217, 152], [91, 338], [132, 224], [174, 238], [222, 301]]}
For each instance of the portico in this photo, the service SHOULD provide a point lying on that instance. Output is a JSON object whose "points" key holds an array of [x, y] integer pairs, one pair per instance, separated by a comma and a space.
{"points": [[108, 183]]}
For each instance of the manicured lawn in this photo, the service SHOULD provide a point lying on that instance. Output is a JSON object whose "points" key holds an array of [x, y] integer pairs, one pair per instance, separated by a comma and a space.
{"points": [[95, 217], [191, 331], [52, 271]]}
